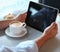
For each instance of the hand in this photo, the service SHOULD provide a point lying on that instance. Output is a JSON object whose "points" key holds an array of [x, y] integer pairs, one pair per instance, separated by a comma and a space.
{"points": [[5, 23], [51, 30], [48, 33], [22, 17]]}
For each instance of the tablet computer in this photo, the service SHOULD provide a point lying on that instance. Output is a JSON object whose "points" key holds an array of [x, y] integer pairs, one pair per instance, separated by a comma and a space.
{"points": [[40, 16]]}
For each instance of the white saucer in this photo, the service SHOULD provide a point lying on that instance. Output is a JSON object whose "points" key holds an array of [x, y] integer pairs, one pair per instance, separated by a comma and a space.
{"points": [[16, 36]]}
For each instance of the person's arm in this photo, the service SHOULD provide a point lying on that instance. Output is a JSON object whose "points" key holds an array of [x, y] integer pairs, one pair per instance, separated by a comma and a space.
{"points": [[48, 33]]}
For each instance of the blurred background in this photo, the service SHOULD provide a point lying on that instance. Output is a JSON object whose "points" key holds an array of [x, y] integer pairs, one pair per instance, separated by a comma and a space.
{"points": [[9, 6], [15, 6]]}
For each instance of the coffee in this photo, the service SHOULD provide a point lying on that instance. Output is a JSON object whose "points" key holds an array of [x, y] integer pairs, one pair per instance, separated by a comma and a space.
{"points": [[16, 24], [16, 27]]}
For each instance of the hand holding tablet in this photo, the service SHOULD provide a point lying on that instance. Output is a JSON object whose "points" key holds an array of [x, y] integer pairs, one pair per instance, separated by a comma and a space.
{"points": [[40, 16]]}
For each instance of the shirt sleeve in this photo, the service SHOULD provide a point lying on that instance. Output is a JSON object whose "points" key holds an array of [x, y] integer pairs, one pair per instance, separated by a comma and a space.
{"points": [[26, 46]]}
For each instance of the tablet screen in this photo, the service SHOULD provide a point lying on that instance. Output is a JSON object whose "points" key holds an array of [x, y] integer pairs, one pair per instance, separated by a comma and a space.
{"points": [[39, 16]]}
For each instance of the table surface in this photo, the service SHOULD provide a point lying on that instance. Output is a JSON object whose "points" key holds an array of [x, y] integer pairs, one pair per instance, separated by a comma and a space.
{"points": [[52, 45]]}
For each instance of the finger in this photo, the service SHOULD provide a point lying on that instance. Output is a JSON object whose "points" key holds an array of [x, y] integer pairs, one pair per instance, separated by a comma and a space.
{"points": [[52, 25], [55, 29], [56, 26]]}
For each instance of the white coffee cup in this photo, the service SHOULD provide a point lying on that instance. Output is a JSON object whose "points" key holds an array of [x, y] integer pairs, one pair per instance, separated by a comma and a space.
{"points": [[16, 27]]}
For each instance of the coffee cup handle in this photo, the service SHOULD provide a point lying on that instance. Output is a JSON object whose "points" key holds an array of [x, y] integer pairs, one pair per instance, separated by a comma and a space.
{"points": [[24, 24]]}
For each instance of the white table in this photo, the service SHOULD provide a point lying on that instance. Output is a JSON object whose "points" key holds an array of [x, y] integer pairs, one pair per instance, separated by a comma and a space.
{"points": [[9, 41], [52, 45]]}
